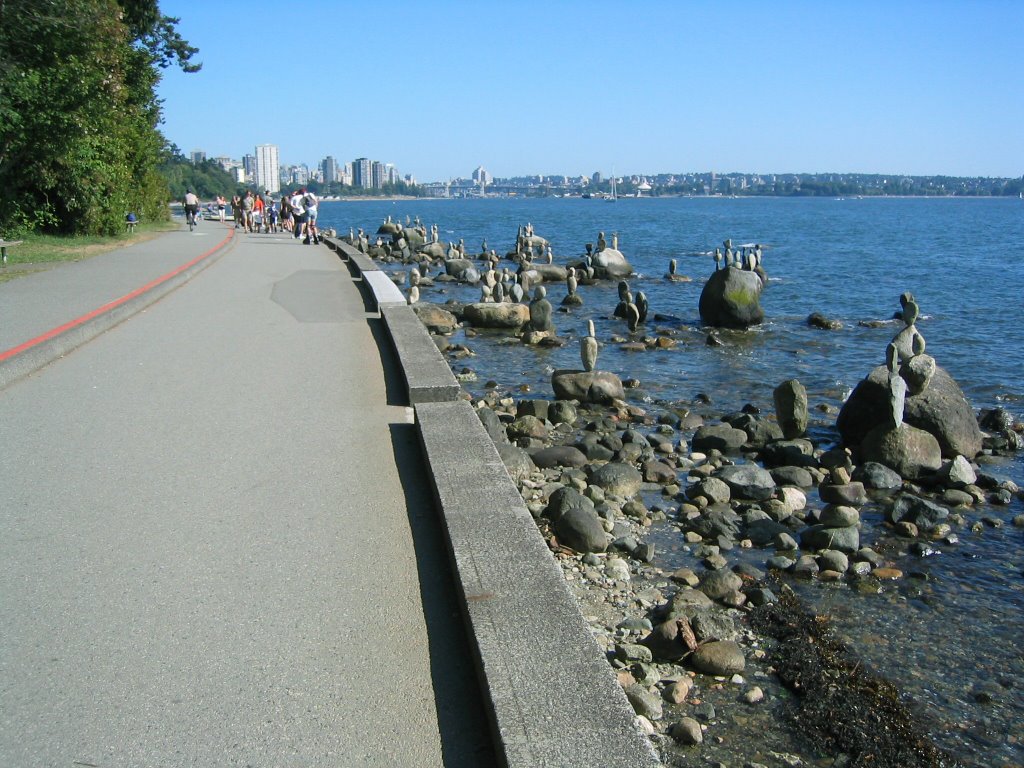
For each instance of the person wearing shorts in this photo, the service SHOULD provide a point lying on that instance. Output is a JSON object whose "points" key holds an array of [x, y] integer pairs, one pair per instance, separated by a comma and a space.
{"points": [[286, 213], [270, 215], [191, 203], [310, 201], [298, 214]]}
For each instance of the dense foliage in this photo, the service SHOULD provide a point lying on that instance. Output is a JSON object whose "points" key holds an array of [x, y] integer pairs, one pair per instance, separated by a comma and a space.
{"points": [[79, 145], [207, 179]]}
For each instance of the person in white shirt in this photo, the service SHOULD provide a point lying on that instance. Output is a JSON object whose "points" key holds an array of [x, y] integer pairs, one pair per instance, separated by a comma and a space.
{"points": [[191, 203], [298, 212]]}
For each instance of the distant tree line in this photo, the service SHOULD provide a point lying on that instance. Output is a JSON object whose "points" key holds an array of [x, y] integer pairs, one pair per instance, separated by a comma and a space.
{"points": [[207, 178], [399, 189], [79, 144], [864, 185]]}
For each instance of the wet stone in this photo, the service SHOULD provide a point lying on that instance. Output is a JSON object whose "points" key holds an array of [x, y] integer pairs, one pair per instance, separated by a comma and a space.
{"points": [[839, 516], [850, 494], [687, 731], [878, 476], [718, 584], [719, 658]]}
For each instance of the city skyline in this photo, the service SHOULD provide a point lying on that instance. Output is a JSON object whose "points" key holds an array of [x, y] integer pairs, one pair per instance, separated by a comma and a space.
{"points": [[906, 88]]}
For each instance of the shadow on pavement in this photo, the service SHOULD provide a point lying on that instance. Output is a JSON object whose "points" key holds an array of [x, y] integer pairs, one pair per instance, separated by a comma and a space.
{"points": [[461, 715]]}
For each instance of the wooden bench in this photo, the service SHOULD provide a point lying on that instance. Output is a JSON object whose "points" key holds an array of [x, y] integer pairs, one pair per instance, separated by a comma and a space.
{"points": [[4, 245]]}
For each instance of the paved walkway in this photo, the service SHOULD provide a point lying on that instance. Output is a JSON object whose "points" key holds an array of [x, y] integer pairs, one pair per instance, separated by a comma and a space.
{"points": [[218, 546]]}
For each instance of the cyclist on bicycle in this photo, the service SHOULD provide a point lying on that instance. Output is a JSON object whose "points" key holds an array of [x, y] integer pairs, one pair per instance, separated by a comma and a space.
{"points": [[191, 207]]}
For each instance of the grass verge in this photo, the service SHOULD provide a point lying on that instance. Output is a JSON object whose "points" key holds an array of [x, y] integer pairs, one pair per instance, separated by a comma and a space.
{"points": [[39, 252]]}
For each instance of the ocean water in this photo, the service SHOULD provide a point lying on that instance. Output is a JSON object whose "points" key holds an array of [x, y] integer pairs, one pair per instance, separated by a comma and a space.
{"points": [[949, 634]]}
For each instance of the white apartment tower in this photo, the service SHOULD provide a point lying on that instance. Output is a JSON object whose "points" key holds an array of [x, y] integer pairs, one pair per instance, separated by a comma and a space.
{"points": [[268, 168]]}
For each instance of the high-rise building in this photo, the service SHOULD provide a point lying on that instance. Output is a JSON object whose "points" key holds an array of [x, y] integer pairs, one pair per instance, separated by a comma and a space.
{"points": [[482, 177], [268, 168], [197, 156], [379, 173], [329, 169], [249, 166], [361, 173]]}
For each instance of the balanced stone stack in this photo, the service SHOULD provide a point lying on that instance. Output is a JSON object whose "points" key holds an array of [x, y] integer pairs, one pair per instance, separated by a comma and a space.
{"points": [[909, 413], [588, 385], [837, 528]]}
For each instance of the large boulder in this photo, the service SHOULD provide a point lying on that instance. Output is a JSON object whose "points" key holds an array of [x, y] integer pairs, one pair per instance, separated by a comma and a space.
{"points": [[722, 437], [559, 456], [435, 318], [617, 478], [748, 481], [819, 537], [503, 315], [575, 521], [492, 423], [941, 410], [910, 451], [791, 408], [599, 387], [610, 263], [517, 461], [924, 514], [549, 273], [433, 250], [722, 657], [581, 530], [463, 270], [731, 299]]}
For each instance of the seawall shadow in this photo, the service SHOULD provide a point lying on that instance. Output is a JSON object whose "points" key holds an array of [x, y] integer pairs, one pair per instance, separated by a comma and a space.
{"points": [[461, 713]]}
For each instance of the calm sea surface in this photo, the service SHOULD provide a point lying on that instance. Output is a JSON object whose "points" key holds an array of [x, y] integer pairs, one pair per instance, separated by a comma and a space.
{"points": [[951, 635]]}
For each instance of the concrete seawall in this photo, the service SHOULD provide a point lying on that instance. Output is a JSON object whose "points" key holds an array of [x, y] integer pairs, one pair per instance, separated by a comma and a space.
{"points": [[553, 697]]}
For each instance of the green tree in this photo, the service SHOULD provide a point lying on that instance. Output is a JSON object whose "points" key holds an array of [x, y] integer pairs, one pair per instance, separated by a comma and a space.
{"points": [[207, 179], [79, 145]]}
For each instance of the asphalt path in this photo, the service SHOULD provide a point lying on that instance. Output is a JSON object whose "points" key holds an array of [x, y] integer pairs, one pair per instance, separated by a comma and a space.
{"points": [[218, 546], [31, 306]]}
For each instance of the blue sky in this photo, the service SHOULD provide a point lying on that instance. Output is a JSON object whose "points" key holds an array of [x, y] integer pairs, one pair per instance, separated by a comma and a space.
{"points": [[438, 88]]}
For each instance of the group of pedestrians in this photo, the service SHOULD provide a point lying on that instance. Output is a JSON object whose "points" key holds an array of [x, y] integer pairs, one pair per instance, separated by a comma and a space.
{"points": [[261, 212], [295, 213]]}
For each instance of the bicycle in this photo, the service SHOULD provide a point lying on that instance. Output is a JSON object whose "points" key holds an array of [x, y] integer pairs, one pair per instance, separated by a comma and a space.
{"points": [[190, 217]]}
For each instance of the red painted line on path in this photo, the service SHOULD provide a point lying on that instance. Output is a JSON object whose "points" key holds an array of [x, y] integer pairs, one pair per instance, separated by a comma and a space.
{"points": [[111, 305]]}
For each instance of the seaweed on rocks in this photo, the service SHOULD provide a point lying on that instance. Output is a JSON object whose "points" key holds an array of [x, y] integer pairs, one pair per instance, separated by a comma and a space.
{"points": [[849, 709]]}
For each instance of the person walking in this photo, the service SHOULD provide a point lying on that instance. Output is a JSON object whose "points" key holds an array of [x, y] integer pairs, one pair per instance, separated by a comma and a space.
{"points": [[270, 215], [312, 233], [258, 209], [221, 205], [298, 213], [247, 204], [286, 213]]}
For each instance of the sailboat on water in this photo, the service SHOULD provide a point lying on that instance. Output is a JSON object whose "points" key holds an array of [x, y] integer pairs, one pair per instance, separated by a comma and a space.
{"points": [[613, 197]]}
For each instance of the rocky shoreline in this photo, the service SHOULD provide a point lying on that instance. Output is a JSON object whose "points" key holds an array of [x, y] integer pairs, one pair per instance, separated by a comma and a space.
{"points": [[685, 639], [719, 658]]}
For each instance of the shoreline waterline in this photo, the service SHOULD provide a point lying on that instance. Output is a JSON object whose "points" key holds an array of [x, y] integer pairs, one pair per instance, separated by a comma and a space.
{"points": [[514, 366]]}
